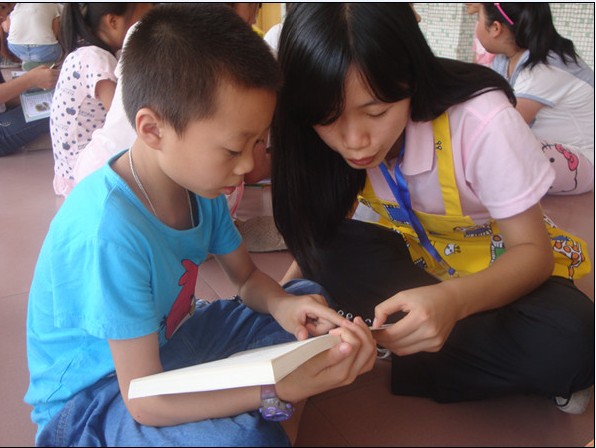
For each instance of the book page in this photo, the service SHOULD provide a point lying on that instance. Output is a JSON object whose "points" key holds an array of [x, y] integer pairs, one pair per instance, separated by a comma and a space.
{"points": [[36, 105], [268, 352]]}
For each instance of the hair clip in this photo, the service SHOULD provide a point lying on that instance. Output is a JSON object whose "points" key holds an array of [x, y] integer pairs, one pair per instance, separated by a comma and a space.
{"points": [[498, 5]]}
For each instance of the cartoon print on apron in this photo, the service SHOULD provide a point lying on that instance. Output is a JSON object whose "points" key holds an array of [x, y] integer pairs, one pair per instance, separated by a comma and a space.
{"points": [[453, 245]]}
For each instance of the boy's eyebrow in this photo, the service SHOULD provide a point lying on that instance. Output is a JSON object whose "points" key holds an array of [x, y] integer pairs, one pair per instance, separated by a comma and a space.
{"points": [[248, 134]]}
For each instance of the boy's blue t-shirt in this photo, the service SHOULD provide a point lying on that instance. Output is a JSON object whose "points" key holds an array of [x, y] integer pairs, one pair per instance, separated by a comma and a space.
{"points": [[108, 269]]}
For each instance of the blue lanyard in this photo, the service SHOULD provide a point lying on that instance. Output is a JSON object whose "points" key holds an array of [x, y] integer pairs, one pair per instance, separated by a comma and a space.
{"points": [[405, 214]]}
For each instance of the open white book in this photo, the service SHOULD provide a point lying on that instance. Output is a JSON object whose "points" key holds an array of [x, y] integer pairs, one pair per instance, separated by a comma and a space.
{"points": [[36, 103], [265, 365]]}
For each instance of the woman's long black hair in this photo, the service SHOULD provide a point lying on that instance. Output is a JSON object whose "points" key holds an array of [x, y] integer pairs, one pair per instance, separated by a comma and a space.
{"points": [[533, 29], [313, 188]]}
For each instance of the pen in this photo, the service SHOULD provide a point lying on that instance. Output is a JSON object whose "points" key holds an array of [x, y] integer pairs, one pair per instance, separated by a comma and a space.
{"points": [[52, 66]]}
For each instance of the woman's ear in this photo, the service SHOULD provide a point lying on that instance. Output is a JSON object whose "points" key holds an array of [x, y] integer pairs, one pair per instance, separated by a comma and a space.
{"points": [[149, 127]]}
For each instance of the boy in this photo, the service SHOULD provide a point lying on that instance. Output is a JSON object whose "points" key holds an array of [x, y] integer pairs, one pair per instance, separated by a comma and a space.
{"points": [[112, 297]]}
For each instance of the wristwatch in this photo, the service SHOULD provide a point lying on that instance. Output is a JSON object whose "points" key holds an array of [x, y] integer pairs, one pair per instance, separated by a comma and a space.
{"points": [[272, 408]]}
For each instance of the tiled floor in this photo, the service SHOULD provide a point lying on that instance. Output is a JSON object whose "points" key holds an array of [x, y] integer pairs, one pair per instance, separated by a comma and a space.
{"points": [[362, 414]]}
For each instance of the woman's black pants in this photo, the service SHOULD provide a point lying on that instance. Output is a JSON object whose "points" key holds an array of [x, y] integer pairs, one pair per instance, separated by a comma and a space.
{"points": [[543, 343]]}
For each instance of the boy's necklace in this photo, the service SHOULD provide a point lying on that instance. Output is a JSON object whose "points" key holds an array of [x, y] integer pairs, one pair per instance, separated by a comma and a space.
{"points": [[140, 185]]}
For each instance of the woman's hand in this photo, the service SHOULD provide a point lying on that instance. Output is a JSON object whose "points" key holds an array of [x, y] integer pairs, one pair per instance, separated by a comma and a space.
{"points": [[431, 314], [432, 311], [336, 367]]}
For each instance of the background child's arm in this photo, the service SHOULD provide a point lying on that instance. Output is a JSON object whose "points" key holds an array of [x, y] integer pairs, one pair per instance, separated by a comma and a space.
{"points": [[41, 77], [56, 27], [528, 109], [432, 311], [104, 90]]}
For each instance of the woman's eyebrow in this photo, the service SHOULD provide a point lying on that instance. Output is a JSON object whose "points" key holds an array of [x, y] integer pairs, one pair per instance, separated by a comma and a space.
{"points": [[372, 102]]}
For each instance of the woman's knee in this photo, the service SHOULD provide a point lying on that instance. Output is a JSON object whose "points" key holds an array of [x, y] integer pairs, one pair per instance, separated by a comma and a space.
{"points": [[554, 329]]}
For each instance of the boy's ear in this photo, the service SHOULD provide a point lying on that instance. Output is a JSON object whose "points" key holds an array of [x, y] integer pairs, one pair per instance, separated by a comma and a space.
{"points": [[149, 127]]}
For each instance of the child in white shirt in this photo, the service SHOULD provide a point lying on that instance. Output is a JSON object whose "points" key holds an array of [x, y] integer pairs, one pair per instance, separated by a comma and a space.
{"points": [[33, 30], [553, 85]]}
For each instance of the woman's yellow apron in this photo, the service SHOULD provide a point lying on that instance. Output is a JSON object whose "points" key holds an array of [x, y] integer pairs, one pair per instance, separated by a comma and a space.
{"points": [[461, 247]]}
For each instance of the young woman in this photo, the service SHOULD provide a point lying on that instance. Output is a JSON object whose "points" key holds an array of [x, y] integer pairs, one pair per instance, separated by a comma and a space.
{"points": [[463, 259], [553, 85]]}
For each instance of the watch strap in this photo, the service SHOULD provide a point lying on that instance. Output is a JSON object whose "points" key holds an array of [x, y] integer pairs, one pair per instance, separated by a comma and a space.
{"points": [[272, 408]]}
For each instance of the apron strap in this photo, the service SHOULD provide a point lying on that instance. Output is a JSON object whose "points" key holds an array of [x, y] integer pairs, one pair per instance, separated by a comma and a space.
{"points": [[405, 213], [446, 170]]}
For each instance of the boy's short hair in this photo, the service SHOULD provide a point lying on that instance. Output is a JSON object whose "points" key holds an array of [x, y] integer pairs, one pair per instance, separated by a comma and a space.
{"points": [[179, 54]]}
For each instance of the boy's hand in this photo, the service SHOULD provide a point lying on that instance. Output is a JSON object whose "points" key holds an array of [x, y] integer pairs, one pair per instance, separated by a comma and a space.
{"points": [[336, 367], [304, 315]]}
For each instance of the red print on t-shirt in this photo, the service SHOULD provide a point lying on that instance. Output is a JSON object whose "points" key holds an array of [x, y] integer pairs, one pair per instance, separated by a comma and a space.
{"points": [[184, 305]]}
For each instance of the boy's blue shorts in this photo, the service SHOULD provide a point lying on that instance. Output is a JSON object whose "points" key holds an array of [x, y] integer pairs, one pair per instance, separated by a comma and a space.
{"points": [[97, 415]]}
